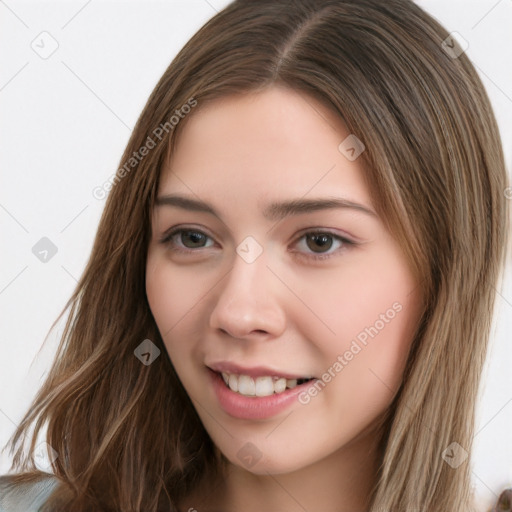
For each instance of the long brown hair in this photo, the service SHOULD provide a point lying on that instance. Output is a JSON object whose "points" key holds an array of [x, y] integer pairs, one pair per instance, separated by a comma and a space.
{"points": [[127, 435]]}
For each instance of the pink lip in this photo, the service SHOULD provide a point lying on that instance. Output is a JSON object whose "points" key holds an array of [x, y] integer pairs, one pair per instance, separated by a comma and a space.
{"points": [[254, 371], [254, 408]]}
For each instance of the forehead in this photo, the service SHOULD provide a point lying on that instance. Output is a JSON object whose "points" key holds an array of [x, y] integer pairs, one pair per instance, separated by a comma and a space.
{"points": [[271, 143]]}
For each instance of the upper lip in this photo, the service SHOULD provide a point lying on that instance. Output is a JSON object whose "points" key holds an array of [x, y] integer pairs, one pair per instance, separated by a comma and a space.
{"points": [[253, 371]]}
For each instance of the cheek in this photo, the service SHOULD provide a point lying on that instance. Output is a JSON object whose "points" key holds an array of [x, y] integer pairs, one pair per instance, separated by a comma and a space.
{"points": [[160, 295], [372, 296], [173, 299], [359, 383], [372, 310], [372, 362], [173, 294]]}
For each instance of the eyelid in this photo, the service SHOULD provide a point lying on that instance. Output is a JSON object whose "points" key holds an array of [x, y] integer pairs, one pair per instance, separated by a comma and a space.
{"points": [[316, 229], [328, 231], [168, 234], [347, 242]]}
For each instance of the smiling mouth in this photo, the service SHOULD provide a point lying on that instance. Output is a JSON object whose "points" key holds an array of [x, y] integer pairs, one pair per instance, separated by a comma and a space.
{"points": [[260, 386]]}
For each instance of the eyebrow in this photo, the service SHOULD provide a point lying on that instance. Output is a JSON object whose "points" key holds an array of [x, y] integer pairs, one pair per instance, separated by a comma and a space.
{"points": [[273, 211]]}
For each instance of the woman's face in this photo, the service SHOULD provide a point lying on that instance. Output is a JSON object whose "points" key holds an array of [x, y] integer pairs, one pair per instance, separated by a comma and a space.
{"points": [[281, 271]]}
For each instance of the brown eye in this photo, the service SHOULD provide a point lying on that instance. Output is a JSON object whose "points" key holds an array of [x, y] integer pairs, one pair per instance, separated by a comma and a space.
{"points": [[322, 241], [317, 245], [186, 240], [196, 239]]}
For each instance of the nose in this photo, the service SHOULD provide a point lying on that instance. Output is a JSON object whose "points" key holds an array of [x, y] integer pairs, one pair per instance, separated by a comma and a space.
{"points": [[249, 304]]}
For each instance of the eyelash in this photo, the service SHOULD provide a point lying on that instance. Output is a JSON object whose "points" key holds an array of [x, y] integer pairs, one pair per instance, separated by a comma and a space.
{"points": [[347, 244]]}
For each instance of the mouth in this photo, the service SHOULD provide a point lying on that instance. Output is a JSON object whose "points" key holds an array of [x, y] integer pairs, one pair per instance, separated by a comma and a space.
{"points": [[256, 393], [246, 385]]}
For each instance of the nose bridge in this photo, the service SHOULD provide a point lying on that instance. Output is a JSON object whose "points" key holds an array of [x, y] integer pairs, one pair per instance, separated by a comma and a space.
{"points": [[248, 277], [247, 300]]}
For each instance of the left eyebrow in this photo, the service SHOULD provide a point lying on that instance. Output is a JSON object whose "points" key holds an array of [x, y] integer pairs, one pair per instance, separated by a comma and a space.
{"points": [[273, 211]]}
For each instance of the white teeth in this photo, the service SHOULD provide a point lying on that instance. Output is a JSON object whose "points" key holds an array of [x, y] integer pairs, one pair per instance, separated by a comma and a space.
{"points": [[246, 385], [233, 383], [261, 386], [280, 385], [264, 386]]}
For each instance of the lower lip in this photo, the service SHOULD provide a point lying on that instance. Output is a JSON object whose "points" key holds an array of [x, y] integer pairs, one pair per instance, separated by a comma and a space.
{"points": [[257, 407]]}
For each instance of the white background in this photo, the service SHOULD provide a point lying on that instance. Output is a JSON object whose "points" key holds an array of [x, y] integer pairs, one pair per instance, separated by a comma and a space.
{"points": [[64, 123]]}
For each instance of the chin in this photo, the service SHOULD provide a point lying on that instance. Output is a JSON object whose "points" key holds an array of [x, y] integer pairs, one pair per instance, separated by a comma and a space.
{"points": [[281, 463]]}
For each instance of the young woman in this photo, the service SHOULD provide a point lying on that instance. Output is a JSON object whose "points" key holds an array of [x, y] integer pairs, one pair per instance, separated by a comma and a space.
{"points": [[288, 302]]}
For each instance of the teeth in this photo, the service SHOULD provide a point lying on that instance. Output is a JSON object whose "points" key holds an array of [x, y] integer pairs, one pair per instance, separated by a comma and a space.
{"points": [[291, 383], [233, 382], [246, 385], [261, 386], [264, 386], [279, 385]]}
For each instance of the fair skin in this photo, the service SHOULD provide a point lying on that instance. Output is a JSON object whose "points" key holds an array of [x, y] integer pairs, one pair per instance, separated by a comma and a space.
{"points": [[284, 310]]}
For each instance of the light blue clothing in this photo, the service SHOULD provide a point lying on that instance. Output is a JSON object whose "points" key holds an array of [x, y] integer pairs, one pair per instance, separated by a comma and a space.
{"points": [[28, 497]]}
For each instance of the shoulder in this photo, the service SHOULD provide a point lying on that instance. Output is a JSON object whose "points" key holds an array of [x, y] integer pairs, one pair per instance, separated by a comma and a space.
{"points": [[26, 496]]}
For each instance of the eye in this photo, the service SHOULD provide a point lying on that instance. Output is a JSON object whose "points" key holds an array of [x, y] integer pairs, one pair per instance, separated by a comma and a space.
{"points": [[193, 237], [320, 243]]}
